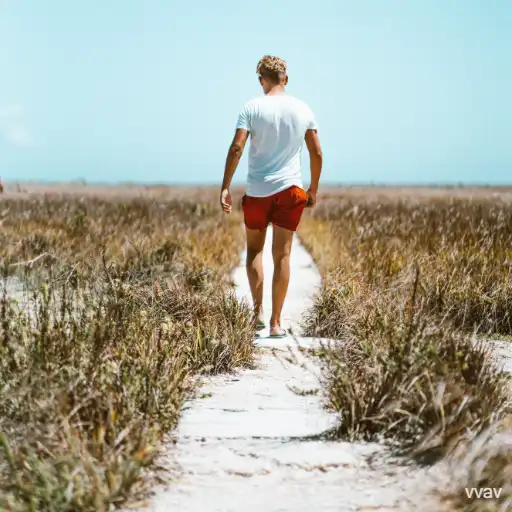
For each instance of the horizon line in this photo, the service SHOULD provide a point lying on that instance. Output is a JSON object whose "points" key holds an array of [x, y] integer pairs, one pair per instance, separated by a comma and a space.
{"points": [[330, 183]]}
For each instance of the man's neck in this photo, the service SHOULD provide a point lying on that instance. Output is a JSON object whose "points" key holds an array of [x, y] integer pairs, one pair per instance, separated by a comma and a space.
{"points": [[276, 89]]}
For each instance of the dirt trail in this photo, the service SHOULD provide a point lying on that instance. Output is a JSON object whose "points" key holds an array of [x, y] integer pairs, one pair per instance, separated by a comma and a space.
{"points": [[244, 446]]}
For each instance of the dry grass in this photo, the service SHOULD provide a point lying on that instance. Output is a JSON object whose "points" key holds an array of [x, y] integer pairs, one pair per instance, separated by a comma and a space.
{"points": [[463, 250], [130, 299], [407, 283]]}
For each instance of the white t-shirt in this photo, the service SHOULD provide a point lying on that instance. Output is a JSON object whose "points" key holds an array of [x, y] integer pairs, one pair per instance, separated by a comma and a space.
{"points": [[277, 124]]}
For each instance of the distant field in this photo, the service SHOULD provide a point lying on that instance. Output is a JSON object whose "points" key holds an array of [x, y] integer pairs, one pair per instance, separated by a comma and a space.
{"points": [[403, 192], [119, 190], [166, 191]]}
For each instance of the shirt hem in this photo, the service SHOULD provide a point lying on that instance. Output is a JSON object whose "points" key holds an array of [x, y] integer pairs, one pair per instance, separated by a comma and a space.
{"points": [[277, 190]]}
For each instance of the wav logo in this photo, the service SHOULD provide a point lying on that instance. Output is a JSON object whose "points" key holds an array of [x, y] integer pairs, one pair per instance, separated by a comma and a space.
{"points": [[483, 492]]}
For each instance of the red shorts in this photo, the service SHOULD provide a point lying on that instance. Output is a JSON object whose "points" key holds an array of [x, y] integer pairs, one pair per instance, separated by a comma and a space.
{"points": [[283, 209]]}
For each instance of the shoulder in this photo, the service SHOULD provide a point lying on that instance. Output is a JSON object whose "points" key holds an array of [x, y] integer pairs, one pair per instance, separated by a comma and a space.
{"points": [[253, 103], [304, 111], [248, 113], [300, 104]]}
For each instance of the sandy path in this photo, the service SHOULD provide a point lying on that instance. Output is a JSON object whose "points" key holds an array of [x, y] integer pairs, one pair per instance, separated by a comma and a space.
{"points": [[241, 447]]}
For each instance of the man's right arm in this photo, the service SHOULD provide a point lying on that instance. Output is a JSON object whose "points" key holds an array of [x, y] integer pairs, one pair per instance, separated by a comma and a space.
{"points": [[315, 158]]}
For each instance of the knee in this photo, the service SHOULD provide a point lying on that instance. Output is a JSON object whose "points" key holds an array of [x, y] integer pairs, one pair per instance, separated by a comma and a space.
{"points": [[280, 255], [252, 255]]}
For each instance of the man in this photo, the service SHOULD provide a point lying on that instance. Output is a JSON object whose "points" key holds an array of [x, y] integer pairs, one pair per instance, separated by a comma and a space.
{"points": [[278, 125]]}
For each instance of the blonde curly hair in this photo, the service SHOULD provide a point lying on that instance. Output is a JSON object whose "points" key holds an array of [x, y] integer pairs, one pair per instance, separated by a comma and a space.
{"points": [[272, 68]]}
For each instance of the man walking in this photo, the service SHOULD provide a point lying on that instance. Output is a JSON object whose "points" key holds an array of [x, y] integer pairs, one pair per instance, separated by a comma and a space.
{"points": [[278, 125]]}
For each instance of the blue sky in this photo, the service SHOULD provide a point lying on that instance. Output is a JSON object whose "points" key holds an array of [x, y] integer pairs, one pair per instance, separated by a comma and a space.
{"points": [[403, 91]]}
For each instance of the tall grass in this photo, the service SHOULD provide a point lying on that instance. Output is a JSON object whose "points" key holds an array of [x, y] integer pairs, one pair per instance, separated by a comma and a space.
{"points": [[128, 300], [408, 284], [462, 247]]}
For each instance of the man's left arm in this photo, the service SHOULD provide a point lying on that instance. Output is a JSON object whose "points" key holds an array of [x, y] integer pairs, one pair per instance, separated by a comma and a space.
{"points": [[234, 154]]}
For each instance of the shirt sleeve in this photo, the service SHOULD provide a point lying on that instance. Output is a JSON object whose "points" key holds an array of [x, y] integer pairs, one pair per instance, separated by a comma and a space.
{"points": [[312, 125], [244, 119]]}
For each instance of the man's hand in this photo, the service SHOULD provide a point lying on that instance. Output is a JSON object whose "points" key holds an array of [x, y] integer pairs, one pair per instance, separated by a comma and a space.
{"points": [[311, 198], [225, 200]]}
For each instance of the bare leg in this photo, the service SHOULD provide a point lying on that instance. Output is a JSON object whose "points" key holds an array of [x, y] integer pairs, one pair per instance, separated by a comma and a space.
{"points": [[281, 249], [254, 265]]}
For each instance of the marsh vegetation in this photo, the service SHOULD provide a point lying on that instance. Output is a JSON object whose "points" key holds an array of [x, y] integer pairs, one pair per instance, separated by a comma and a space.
{"points": [[412, 287], [127, 300]]}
